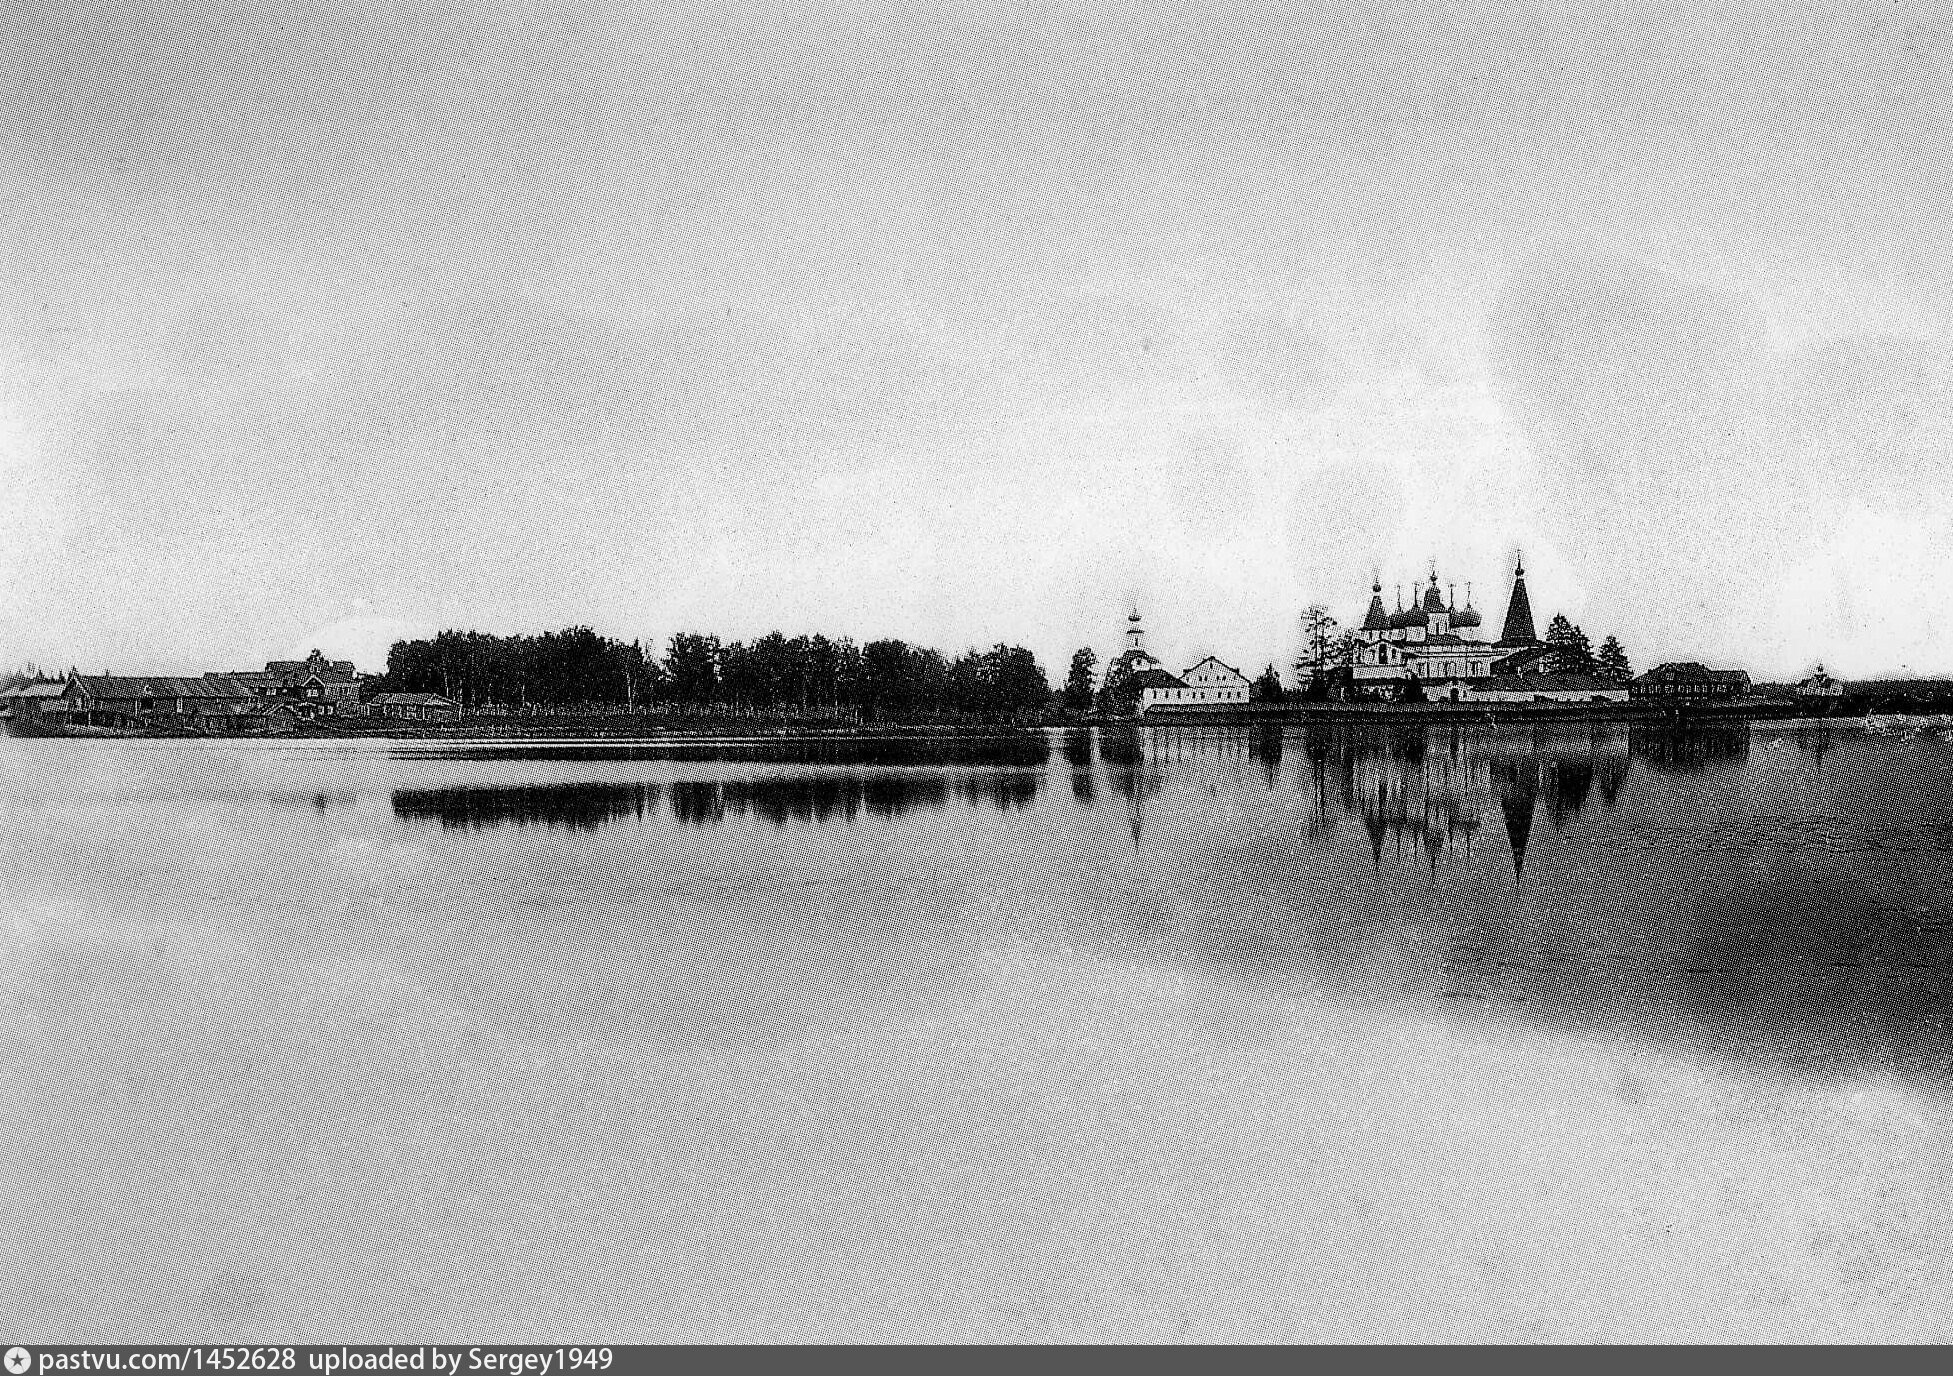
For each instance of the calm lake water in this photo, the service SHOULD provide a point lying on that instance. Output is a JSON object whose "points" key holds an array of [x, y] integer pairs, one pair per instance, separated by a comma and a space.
{"points": [[1176, 1034]]}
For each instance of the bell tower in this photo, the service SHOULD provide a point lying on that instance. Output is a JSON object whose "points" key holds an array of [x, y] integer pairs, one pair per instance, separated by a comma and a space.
{"points": [[1519, 611]]}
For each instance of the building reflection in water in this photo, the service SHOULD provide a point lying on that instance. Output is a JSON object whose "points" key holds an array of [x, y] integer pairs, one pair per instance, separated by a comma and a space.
{"points": [[1265, 746], [1804, 928], [1692, 749], [1423, 794], [1135, 769], [1427, 794], [1140, 760]]}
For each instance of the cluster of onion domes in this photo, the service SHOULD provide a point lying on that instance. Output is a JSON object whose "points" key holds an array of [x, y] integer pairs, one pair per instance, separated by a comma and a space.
{"points": [[1425, 605], [1427, 602]]}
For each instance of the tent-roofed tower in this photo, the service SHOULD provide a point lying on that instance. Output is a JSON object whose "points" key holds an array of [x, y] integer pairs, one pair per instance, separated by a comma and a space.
{"points": [[1519, 611], [1378, 619]]}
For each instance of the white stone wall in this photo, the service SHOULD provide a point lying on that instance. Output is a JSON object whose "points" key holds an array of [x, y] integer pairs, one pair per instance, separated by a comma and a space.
{"points": [[1192, 696], [1470, 694]]}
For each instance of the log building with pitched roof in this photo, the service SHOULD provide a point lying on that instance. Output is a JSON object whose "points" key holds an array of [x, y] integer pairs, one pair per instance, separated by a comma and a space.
{"points": [[330, 685]]}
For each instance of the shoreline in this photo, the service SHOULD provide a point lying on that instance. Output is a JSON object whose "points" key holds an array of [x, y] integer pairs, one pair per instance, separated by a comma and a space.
{"points": [[648, 728]]}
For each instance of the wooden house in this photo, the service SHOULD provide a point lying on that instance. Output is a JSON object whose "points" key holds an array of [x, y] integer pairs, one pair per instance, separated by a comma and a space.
{"points": [[24, 703], [416, 706], [1688, 681]]}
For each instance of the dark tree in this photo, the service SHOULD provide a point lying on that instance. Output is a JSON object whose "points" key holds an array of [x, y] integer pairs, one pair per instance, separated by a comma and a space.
{"points": [[823, 676], [1266, 688], [1001, 681], [640, 674], [1020, 684], [692, 669], [1612, 662], [847, 676], [1078, 683], [1572, 653], [888, 678], [1112, 693], [1581, 652], [968, 689], [1318, 634]]}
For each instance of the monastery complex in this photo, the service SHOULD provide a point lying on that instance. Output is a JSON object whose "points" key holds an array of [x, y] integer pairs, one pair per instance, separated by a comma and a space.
{"points": [[1432, 650]]}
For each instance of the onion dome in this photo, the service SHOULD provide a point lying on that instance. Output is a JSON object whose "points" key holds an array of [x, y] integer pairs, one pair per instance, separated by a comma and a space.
{"points": [[1433, 599], [1466, 617]]}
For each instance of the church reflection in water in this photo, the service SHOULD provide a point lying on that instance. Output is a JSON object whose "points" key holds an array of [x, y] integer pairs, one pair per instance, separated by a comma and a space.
{"points": [[1777, 900], [1424, 795], [1431, 795]]}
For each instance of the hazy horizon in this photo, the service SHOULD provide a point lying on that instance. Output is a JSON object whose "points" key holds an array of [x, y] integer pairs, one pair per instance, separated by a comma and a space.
{"points": [[974, 325]]}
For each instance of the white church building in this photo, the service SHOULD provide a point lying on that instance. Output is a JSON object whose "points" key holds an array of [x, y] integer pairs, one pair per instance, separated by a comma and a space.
{"points": [[1210, 683]]}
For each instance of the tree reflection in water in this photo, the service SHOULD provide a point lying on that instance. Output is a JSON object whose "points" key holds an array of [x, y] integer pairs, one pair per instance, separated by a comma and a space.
{"points": [[778, 799]]}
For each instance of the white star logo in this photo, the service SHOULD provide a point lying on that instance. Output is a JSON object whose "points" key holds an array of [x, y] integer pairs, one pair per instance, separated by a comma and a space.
{"points": [[18, 1360]]}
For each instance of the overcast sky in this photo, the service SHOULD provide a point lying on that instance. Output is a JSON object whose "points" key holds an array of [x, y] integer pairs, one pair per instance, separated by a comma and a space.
{"points": [[971, 323]]}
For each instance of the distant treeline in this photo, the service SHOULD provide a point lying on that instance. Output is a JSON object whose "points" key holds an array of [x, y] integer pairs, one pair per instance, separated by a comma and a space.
{"points": [[26, 674], [1887, 695], [577, 669]]}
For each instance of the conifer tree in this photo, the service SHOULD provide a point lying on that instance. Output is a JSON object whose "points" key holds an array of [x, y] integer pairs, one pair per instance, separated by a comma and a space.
{"points": [[1318, 632], [1572, 653], [1612, 662]]}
